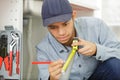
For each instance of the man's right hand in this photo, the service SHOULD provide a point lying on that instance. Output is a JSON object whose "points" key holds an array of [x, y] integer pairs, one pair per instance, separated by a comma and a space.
{"points": [[55, 69]]}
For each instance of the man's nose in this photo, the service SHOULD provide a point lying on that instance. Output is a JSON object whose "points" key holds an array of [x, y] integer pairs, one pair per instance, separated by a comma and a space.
{"points": [[61, 31]]}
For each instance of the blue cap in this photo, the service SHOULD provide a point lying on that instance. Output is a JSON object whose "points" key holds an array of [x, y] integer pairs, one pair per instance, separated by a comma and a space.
{"points": [[56, 11]]}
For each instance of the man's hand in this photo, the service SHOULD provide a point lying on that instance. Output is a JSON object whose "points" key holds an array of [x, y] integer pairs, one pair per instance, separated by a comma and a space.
{"points": [[88, 49], [55, 69]]}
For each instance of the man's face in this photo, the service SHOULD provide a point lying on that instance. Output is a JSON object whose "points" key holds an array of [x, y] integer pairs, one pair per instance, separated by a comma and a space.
{"points": [[63, 31]]}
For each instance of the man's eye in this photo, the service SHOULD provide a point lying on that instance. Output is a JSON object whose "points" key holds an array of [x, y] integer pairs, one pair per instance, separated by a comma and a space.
{"points": [[52, 27], [65, 24]]}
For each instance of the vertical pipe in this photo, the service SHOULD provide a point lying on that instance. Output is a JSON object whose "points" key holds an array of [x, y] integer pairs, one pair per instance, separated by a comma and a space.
{"points": [[29, 48]]}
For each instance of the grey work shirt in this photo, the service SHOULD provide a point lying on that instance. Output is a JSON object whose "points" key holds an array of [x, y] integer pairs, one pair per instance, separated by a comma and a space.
{"points": [[87, 28]]}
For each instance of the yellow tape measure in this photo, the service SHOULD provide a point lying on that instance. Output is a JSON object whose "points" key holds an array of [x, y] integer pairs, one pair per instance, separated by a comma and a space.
{"points": [[71, 56]]}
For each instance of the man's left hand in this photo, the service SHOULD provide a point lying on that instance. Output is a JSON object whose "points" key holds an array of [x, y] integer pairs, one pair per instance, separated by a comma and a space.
{"points": [[88, 49]]}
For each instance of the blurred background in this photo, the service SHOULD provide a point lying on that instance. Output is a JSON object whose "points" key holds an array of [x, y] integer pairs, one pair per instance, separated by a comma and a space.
{"points": [[25, 16]]}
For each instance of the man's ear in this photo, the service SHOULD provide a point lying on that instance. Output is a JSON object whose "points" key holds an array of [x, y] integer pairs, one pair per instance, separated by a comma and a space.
{"points": [[74, 14]]}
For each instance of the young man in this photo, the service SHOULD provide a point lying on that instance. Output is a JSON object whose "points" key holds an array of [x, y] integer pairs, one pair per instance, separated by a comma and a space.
{"points": [[97, 60]]}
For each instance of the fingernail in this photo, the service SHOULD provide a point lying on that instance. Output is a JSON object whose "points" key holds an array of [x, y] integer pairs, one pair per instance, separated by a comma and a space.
{"points": [[61, 61]]}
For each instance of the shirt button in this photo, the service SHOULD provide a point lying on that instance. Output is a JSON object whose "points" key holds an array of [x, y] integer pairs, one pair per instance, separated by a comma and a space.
{"points": [[99, 57], [61, 51], [78, 54], [79, 65], [84, 78]]}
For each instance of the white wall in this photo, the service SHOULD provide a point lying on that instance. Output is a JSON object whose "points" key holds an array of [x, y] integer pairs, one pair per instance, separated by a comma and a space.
{"points": [[111, 12], [11, 14], [111, 15]]}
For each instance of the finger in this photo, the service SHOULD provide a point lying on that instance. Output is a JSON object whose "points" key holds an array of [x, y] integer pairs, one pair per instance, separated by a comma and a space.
{"points": [[77, 43], [58, 76], [53, 69], [84, 49], [56, 67], [80, 39], [57, 72], [80, 42], [88, 52], [56, 63]]}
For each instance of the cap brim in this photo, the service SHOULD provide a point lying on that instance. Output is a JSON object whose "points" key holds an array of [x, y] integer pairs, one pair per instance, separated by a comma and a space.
{"points": [[60, 18]]}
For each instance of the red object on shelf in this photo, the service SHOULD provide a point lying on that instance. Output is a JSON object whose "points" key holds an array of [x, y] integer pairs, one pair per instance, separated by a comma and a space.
{"points": [[17, 62], [10, 68], [1, 59], [6, 63]]}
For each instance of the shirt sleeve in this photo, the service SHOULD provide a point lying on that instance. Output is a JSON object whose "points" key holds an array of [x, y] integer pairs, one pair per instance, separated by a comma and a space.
{"points": [[108, 45], [43, 68]]}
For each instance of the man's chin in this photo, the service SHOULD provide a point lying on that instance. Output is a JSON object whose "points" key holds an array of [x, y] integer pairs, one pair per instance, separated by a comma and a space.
{"points": [[64, 42]]}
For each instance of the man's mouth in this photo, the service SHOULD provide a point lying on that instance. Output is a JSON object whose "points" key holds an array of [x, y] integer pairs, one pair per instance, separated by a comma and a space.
{"points": [[63, 38]]}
